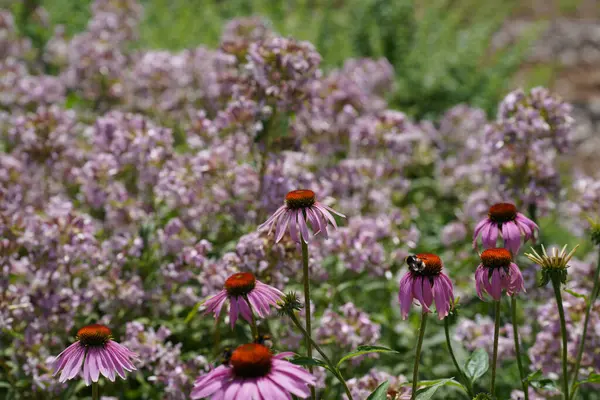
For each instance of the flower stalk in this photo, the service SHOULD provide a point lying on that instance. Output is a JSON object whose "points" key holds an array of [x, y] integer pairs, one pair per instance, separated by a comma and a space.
{"points": [[451, 351], [415, 380], [95, 391], [307, 319], [563, 332], [495, 355], [590, 303], [333, 368], [513, 306]]}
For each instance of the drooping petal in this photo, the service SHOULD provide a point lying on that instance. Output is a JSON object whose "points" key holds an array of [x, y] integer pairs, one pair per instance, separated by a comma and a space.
{"points": [[64, 357], [418, 292], [272, 219], [326, 214], [215, 303], [244, 309], [496, 285], [293, 225], [73, 367], [427, 291], [480, 273], [405, 296], [517, 283], [489, 240], [303, 227], [282, 225], [479, 227], [442, 305], [512, 236]]}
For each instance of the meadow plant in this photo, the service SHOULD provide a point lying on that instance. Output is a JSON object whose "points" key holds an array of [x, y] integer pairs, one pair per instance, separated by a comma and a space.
{"points": [[133, 185]]}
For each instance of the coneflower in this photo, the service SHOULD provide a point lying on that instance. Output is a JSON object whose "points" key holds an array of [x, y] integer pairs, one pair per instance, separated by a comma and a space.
{"points": [[498, 272], [254, 373], [495, 273], [504, 219], [300, 209], [424, 282], [247, 296], [99, 355]]}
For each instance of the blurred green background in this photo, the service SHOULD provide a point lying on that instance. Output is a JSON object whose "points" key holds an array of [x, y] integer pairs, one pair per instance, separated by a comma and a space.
{"points": [[441, 49]]}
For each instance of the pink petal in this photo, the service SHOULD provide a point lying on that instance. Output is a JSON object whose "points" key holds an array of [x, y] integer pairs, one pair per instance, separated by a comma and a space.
{"points": [[496, 287]]}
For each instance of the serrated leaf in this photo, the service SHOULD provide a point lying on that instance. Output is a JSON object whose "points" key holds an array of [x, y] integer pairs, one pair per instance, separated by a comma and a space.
{"points": [[380, 393], [428, 392], [309, 362], [477, 364], [574, 293], [360, 350]]}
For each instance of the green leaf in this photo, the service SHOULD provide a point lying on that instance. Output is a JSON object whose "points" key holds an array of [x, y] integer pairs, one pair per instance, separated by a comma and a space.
{"points": [[428, 392], [309, 362], [592, 378], [194, 311], [536, 379], [574, 293], [360, 350], [477, 365], [534, 376], [380, 393]]}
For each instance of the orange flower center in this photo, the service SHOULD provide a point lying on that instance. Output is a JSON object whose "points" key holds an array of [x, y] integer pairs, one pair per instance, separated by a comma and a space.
{"points": [[240, 284], [496, 258], [251, 360], [303, 198], [94, 335], [502, 212], [425, 264]]}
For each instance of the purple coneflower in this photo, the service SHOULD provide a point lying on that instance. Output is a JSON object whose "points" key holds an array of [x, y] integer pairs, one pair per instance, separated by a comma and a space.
{"points": [[254, 373], [497, 271], [426, 282], [504, 218], [99, 354], [300, 206], [238, 288]]}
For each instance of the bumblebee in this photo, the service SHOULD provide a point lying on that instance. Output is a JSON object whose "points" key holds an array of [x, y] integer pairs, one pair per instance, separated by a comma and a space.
{"points": [[226, 355], [265, 340], [415, 264]]}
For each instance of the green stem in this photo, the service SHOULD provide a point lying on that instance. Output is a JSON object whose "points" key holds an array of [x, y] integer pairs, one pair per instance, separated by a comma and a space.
{"points": [[333, 368], [415, 380], [253, 324], [308, 338], [460, 372], [95, 391], [563, 332], [495, 356], [217, 334], [513, 307], [590, 304]]}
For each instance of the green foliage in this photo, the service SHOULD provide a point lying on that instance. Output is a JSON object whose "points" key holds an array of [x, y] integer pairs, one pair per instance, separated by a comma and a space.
{"points": [[441, 51], [477, 365], [380, 393], [361, 350], [432, 387]]}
